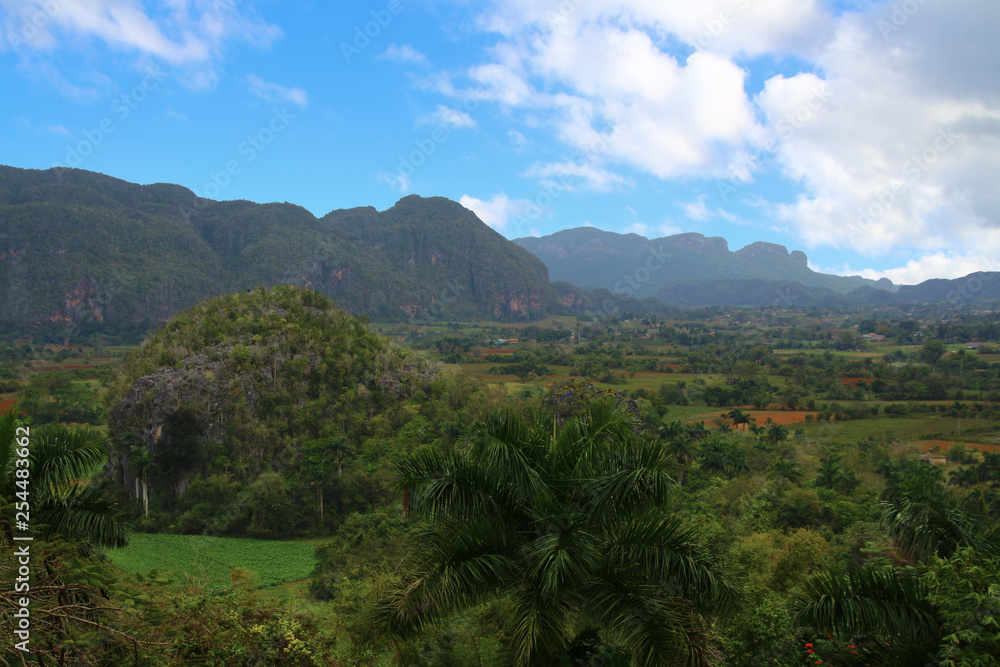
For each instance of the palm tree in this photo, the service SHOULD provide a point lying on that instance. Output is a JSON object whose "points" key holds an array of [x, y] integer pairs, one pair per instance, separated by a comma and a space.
{"points": [[776, 433], [669, 430], [697, 431], [683, 450], [894, 607], [561, 526], [60, 460], [787, 469], [738, 417], [340, 449]]}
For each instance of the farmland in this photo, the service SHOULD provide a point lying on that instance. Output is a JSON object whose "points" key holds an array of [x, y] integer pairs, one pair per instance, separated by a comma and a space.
{"points": [[207, 561]]}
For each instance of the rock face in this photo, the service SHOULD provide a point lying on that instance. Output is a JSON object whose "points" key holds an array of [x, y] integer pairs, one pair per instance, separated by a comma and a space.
{"points": [[82, 253]]}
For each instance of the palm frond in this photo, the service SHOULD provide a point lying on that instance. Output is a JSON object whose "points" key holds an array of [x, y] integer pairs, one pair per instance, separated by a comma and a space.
{"points": [[84, 511], [868, 602], [633, 477], [656, 629], [666, 550], [539, 627], [447, 485], [62, 455], [932, 523], [453, 567], [562, 557]]}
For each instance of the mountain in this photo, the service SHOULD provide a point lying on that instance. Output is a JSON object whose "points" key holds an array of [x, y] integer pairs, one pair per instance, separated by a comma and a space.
{"points": [[634, 265], [82, 252]]}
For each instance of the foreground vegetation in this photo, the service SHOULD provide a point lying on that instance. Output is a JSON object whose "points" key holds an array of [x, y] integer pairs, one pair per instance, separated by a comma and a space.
{"points": [[734, 487]]}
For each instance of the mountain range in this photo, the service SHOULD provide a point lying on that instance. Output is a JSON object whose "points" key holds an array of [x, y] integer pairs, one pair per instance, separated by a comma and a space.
{"points": [[83, 253], [633, 264]]}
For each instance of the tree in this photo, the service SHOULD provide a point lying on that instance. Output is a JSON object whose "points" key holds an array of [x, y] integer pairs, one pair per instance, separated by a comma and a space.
{"points": [[832, 476], [931, 352], [787, 469], [683, 450], [943, 608], [738, 417], [560, 526], [776, 433], [61, 461], [697, 431], [340, 449]]}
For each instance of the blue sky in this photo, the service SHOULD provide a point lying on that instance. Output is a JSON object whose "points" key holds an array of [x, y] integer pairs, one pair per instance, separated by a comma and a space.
{"points": [[865, 133]]}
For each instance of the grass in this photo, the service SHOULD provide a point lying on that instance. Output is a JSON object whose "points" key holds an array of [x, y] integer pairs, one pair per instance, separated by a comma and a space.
{"points": [[210, 559]]}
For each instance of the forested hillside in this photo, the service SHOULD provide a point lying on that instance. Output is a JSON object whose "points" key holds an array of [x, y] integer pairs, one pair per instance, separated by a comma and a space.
{"points": [[267, 402], [594, 258], [82, 253]]}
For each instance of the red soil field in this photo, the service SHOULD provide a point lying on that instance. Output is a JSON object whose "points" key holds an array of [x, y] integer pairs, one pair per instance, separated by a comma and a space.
{"points": [[928, 445], [7, 405], [856, 380], [782, 417]]}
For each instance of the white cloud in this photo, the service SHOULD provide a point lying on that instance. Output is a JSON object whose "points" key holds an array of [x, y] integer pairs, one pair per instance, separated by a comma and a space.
{"points": [[276, 94], [405, 54], [399, 182], [936, 265], [59, 129], [569, 176], [637, 228], [899, 155], [669, 229], [891, 136], [188, 34], [500, 210], [696, 210], [448, 117]]}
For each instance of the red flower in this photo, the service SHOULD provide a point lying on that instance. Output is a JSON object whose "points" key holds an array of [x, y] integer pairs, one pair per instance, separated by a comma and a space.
{"points": [[810, 651], [809, 645]]}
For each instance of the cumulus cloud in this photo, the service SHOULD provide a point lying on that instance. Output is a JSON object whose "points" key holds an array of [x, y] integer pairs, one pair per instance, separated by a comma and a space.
{"points": [[503, 213], [188, 34], [885, 117], [405, 54], [935, 265], [697, 210], [276, 94], [448, 117]]}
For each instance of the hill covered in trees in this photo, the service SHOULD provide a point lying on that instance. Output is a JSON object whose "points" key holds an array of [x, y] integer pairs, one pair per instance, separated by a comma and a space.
{"points": [[82, 252], [247, 408]]}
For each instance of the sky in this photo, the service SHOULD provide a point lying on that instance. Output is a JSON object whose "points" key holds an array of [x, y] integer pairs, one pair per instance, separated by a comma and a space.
{"points": [[865, 133]]}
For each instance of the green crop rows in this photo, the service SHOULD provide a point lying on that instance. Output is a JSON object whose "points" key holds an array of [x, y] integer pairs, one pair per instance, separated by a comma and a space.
{"points": [[210, 559]]}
